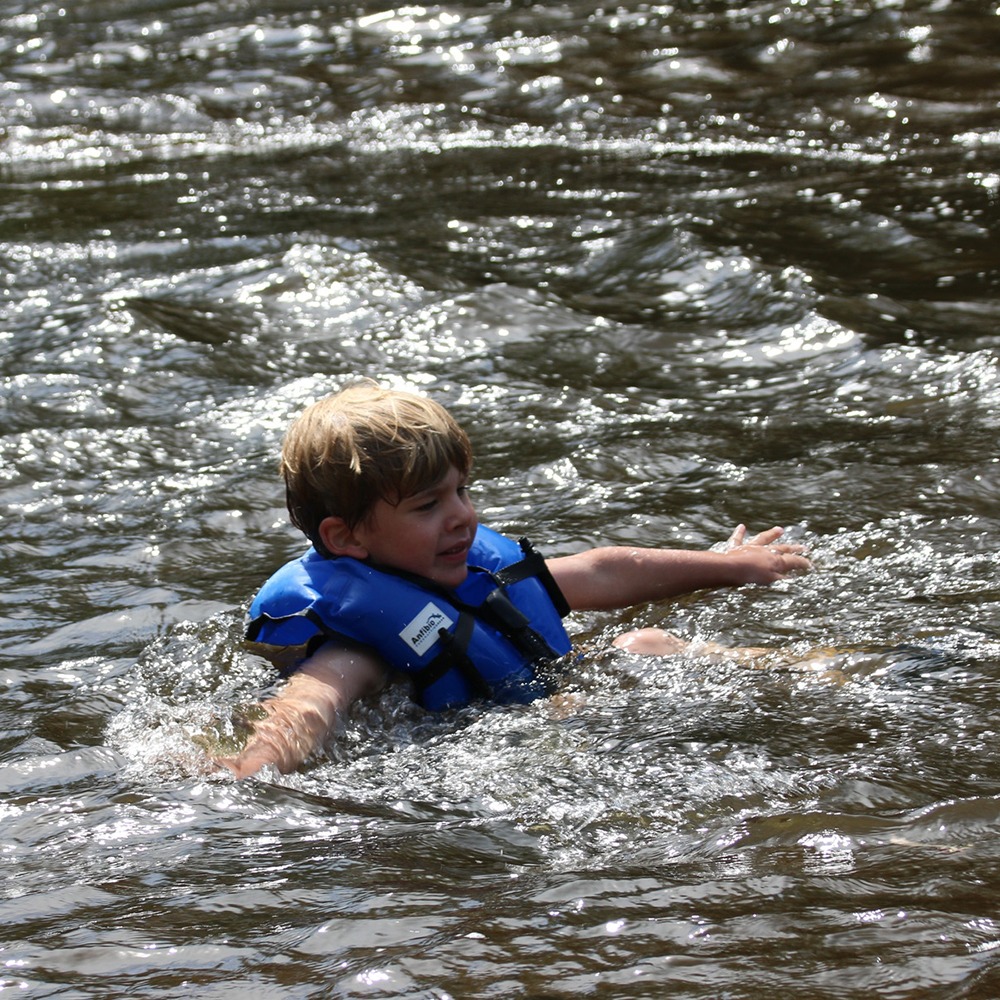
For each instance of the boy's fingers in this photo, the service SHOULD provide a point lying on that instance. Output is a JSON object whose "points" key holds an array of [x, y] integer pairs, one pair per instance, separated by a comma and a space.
{"points": [[767, 537], [794, 562]]}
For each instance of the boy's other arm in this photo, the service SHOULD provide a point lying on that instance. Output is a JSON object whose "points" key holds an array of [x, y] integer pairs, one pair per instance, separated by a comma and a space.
{"points": [[301, 716], [619, 576]]}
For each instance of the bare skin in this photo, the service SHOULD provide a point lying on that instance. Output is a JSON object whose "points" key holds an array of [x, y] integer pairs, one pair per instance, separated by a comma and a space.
{"points": [[619, 576], [747, 566], [301, 716]]}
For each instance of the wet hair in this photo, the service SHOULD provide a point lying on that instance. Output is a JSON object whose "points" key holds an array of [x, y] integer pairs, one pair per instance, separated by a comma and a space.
{"points": [[365, 444]]}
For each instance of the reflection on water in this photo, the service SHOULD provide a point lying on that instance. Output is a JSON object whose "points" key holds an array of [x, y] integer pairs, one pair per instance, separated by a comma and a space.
{"points": [[674, 267]]}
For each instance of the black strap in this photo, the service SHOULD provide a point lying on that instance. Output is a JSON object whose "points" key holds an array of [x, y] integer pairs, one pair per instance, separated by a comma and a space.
{"points": [[499, 611], [533, 564], [454, 656], [516, 626]]}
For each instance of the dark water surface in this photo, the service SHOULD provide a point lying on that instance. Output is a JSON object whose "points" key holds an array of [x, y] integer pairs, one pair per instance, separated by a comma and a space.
{"points": [[675, 266]]}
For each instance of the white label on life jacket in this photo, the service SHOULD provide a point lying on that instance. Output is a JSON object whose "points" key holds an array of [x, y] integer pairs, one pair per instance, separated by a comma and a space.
{"points": [[422, 632]]}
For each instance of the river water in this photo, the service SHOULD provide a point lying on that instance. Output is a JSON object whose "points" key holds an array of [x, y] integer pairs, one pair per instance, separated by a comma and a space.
{"points": [[675, 266]]}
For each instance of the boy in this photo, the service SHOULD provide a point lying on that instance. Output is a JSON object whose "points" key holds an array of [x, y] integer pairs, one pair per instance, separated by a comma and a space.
{"points": [[401, 577]]}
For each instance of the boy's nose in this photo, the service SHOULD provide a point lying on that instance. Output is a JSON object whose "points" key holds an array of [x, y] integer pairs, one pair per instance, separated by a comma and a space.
{"points": [[460, 511]]}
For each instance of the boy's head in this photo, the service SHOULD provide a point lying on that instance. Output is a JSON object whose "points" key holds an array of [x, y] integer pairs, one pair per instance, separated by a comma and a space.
{"points": [[362, 445]]}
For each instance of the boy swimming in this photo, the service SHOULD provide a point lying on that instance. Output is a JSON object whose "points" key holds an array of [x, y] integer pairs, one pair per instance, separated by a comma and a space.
{"points": [[401, 577]]}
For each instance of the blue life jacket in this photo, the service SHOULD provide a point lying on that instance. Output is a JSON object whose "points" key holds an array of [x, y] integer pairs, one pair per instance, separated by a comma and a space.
{"points": [[484, 639]]}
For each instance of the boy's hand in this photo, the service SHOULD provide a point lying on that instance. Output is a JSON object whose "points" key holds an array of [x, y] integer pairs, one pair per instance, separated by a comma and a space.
{"points": [[226, 745], [762, 559], [287, 728]]}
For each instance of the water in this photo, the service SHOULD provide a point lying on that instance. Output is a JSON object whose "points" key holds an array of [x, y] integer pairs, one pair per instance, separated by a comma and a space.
{"points": [[674, 267]]}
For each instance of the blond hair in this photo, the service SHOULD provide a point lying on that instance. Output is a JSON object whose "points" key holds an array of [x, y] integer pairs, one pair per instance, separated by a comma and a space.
{"points": [[365, 444]]}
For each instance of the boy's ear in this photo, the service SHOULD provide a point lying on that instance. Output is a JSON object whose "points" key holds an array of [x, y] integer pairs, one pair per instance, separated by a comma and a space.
{"points": [[339, 538]]}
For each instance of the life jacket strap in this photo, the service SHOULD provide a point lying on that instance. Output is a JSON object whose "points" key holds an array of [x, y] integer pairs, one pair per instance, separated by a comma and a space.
{"points": [[454, 656], [514, 624], [533, 564]]}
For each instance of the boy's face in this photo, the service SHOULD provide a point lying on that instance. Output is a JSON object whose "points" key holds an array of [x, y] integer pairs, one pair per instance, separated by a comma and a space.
{"points": [[428, 533]]}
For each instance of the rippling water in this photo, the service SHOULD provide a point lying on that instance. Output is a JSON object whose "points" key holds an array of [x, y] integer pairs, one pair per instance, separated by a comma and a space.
{"points": [[674, 266]]}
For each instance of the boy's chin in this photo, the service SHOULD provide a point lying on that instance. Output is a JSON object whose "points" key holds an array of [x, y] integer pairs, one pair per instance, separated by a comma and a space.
{"points": [[452, 578]]}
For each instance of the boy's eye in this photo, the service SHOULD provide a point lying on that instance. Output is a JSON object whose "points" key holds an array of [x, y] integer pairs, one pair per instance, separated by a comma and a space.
{"points": [[429, 501]]}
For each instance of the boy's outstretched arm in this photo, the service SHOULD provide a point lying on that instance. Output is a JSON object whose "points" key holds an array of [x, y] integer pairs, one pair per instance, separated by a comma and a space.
{"points": [[619, 576], [301, 716]]}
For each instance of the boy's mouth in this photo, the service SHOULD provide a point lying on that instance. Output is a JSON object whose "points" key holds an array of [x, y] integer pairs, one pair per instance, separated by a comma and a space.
{"points": [[456, 551]]}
